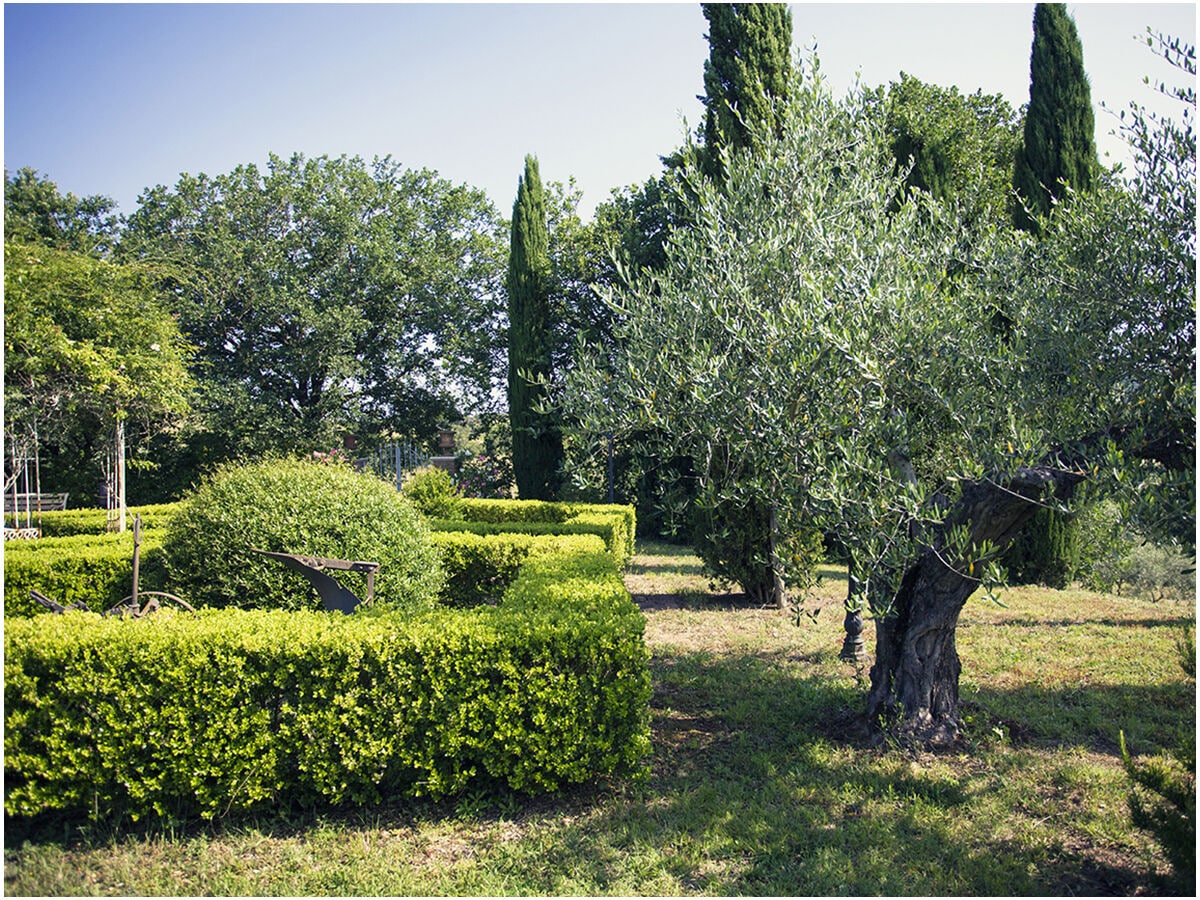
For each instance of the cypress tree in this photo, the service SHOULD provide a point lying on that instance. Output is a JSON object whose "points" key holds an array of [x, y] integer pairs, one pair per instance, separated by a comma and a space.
{"points": [[748, 66], [536, 438], [1059, 146], [1060, 138]]}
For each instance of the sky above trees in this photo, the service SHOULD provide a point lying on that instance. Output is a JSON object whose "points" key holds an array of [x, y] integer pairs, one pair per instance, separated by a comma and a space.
{"points": [[112, 99]]}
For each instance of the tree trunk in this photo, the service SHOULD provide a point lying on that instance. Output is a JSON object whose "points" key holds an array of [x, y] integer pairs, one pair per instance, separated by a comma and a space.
{"points": [[119, 459], [778, 589], [914, 681]]}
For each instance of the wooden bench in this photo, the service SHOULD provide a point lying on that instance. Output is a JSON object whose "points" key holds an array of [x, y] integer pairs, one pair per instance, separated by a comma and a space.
{"points": [[19, 503]]}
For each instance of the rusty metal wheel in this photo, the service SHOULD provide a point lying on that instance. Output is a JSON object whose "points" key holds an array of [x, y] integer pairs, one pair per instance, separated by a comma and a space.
{"points": [[138, 611]]}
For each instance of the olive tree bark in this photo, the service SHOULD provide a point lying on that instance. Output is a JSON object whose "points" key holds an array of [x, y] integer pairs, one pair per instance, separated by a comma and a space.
{"points": [[914, 681]]}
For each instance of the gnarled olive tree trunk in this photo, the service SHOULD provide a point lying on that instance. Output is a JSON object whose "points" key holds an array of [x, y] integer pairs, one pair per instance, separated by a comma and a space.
{"points": [[914, 681]]}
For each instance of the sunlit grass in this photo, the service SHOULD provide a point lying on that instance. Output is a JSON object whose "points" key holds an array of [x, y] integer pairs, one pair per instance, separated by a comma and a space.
{"points": [[758, 783]]}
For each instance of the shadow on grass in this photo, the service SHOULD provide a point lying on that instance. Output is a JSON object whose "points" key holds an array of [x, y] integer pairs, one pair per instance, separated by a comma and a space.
{"points": [[1153, 717], [670, 559], [756, 789], [1106, 621]]}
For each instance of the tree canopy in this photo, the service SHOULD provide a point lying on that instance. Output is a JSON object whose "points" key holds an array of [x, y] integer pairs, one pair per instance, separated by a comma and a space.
{"points": [[87, 343], [328, 296], [955, 147], [36, 212], [808, 347]]}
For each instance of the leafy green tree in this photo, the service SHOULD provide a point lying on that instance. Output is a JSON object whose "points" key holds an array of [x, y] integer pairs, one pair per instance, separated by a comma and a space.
{"points": [[578, 260], [1059, 145], [36, 212], [807, 350], [748, 67], [634, 223], [326, 296], [956, 148], [536, 437], [88, 344]]}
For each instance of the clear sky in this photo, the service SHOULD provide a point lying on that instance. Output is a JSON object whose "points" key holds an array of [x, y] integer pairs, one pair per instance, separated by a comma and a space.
{"points": [[111, 99]]}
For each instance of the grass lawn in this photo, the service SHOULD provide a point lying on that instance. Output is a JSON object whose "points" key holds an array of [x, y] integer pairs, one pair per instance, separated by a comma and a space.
{"points": [[757, 785]]}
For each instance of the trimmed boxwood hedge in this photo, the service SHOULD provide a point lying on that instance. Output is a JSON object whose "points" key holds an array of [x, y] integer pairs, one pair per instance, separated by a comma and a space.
{"points": [[94, 568], [68, 522], [233, 710], [481, 567], [617, 524]]}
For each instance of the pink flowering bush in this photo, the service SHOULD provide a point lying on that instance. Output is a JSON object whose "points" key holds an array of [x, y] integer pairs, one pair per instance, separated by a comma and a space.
{"points": [[335, 457], [485, 477]]}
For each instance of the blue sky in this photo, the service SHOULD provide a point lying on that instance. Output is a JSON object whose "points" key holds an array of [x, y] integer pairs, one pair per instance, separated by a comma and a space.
{"points": [[111, 99]]}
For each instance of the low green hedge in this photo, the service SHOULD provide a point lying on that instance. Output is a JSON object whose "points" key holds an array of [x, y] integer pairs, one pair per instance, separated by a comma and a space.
{"points": [[233, 710], [68, 522], [97, 569], [480, 567], [616, 523]]}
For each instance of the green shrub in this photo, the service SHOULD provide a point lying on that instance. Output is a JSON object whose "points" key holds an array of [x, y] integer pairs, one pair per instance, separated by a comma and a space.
{"points": [[233, 710], [1160, 573], [1047, 551], [616, 523], [485, 477], [481, 565], [97, 569], [1114, 557], [1104, 545], [68, 522], [733, 541], [301, 507], [431, 490]]}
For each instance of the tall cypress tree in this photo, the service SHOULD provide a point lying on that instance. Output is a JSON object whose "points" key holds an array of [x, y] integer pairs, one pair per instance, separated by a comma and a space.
{"points": [[749, 62], [1060, 127], [1059, 146], [536, 438]]}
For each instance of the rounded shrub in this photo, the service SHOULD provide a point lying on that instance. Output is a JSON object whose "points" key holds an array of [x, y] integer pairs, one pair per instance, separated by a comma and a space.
{"points": [[431, 490], [301, 507], [732, 540]]}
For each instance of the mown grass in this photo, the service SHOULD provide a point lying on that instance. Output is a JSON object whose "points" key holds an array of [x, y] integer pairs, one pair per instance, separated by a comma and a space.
{"points": [[758, 783]]}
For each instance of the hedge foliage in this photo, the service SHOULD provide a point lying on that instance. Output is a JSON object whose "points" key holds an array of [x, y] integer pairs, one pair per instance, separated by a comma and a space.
{"points": [[68, 522], [237, 710], [94, 568], [431, 490], [617, 524], [301, 507], [480, 567], [97, 567]]}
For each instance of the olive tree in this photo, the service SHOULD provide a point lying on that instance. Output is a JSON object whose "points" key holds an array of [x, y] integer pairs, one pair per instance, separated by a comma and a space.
{"points": [[827, 354]]}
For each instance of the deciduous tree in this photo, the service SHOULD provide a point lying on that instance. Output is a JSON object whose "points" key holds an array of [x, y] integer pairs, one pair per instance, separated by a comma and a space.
{"points": [[327, 296], [88, 344], [36, 212], [956, 147]]}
